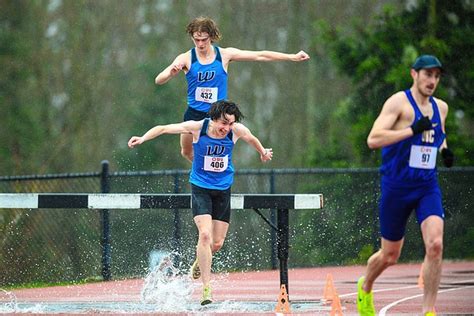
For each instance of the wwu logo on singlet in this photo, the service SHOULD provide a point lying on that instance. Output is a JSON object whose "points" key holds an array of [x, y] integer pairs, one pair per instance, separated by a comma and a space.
{"points": [[215, 150], [206, 76]]}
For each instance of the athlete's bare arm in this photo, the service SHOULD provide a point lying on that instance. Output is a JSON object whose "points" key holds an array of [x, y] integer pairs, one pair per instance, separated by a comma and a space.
{"points": [[180, 63], [241, 131], [383, 132], [187, 127], [234, 54]]}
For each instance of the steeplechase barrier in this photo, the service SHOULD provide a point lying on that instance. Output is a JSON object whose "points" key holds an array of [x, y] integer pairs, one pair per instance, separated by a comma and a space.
{"points": [[104, 201]]}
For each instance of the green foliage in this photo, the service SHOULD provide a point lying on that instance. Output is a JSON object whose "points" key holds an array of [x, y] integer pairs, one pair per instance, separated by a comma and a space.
{"points": [[377, 58], [363, 255], [33, 285]]}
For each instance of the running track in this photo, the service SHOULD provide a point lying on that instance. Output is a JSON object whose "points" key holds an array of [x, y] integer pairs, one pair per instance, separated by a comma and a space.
{"points": [[396, 291]]}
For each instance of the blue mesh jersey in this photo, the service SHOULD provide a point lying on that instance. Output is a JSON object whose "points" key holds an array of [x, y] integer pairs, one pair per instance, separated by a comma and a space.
{"points": [[413, 160], [212, 164], [206, 83]]}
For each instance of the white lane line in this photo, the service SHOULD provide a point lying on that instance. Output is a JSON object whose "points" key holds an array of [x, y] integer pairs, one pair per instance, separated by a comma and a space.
{"points": [[383, 290], [386, 308]]}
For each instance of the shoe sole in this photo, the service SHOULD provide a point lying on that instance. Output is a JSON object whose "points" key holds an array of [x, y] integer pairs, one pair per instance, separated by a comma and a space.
{"points": [[205, 302], [195, 273]]}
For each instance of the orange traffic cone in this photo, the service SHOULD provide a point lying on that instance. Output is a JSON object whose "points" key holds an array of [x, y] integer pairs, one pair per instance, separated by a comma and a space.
{"points": [[336, 308], [283, 305], [329, 289]]}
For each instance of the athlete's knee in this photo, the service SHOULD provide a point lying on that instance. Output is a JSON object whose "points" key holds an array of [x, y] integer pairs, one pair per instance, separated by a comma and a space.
{"points": [[390, 257], [186, 153], [434, 247], [205, 237], [217, 245]]}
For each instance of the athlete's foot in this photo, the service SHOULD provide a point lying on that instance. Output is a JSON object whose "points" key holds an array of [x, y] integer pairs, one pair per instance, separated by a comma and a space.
{"points": [[195, 271], [206, 295], [365, 301]]}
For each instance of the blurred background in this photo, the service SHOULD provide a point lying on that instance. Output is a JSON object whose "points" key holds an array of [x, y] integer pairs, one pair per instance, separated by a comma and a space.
{"points": [[77, 80]]}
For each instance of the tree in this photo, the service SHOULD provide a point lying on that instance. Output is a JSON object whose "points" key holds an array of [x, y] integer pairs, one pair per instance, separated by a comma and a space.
{"points": [[22, 104], [377, 59]]}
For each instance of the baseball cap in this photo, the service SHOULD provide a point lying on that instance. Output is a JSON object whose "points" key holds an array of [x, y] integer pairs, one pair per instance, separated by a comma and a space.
{"points": [[426, 62]]}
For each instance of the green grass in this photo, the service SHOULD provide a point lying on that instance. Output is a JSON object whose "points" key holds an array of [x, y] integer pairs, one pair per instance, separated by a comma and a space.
{"points": [[33, 285]]}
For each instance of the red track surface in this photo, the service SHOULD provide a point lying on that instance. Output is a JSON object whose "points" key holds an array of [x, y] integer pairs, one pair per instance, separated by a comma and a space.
{"points": [[397, 283]]}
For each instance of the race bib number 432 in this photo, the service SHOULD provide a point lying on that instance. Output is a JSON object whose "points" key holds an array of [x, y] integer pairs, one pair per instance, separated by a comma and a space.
{"points": [[216, 164], [205, 94], [423, 157]]}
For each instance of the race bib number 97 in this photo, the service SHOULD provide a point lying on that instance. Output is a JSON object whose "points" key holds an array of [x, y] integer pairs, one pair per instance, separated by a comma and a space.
{"points": [[423, 157], [205, 94], [216, 164]]}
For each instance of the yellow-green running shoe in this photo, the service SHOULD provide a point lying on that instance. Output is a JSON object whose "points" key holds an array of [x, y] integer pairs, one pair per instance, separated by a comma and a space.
{"points": [[195, 271], [206, 295], [365, 301], [430, 314]]}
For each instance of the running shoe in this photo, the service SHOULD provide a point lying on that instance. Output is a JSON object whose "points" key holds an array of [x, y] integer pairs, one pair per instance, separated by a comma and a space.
{"points": [[206, 295], [430, 314], [365, 301], [195, 271]]}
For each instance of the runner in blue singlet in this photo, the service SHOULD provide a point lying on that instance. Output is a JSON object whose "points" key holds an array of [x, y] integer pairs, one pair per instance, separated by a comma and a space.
{"points": [[206, 66], [411, 132], [211, 177]]}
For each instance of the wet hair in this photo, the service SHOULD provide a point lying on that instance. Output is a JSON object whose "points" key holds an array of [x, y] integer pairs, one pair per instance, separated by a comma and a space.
{"points": [[220, 108], [204, 24]]}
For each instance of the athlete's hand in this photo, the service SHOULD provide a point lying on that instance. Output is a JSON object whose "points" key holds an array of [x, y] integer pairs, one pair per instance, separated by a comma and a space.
{"points": [[175, 68], [421, 125], [301, 56], [448, 157], [135, 141], [267, 155]]}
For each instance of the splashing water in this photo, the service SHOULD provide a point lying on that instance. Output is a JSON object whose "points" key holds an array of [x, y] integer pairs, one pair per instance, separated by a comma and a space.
{"points": [[9, 304], [10, 300], [165, 288]]}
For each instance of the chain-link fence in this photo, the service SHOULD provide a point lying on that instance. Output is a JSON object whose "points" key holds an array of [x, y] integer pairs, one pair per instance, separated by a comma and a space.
{"points": [[51, 245]]}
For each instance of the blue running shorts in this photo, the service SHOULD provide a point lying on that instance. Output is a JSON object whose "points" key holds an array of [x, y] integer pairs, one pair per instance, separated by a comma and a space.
{"points": [[397, 202]]}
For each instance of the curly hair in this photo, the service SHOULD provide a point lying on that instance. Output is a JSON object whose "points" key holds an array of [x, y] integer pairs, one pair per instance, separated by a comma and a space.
{"points": [[204, 24]]}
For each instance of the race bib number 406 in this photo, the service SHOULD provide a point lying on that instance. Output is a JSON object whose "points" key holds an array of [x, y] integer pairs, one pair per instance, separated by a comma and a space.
{"points": [[205, 94], [216, 164], [423, 157]]}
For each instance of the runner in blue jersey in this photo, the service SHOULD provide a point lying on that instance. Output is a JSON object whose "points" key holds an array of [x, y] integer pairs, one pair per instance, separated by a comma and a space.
{"points": [[206, 66], [411, 132], [211, 177]]}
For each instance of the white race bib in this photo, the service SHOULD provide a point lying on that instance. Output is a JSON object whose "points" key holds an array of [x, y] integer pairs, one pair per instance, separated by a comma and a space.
{"points": [[423, 157], [205, 94], [216, 164]]}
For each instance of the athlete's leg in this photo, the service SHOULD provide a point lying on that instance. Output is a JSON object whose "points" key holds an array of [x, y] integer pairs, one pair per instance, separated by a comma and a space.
{"points": [[219, 232], [203, 249], [388, 255], [395, 206], [186, 141], [432, 229]]}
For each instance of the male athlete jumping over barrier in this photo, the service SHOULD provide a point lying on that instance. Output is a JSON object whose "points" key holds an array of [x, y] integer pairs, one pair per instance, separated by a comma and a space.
{"points": [[206, 66], [211, 177]]}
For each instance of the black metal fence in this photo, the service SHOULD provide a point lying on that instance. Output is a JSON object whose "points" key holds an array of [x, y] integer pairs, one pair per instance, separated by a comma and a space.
{"points": [[70, 245]]}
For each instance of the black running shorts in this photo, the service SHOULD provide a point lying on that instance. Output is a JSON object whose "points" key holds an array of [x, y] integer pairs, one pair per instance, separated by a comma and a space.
{"points": [[213, 202], [194, 115]]}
